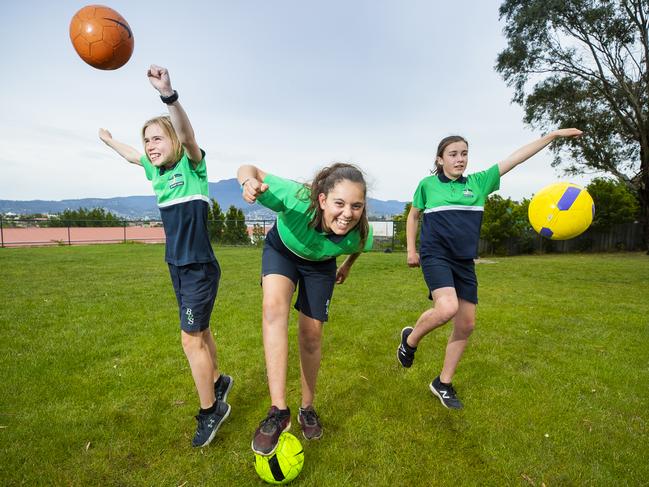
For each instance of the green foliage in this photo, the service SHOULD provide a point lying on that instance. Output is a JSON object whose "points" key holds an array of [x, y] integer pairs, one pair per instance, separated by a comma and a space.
{"points": [[400, 222], [503, 219], [216, 221], [95, 217], [554, 380], [235, 231], [614, 203]]}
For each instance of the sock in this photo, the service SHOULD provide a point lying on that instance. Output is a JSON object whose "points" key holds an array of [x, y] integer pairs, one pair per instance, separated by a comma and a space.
{"points": [[209, 410]]}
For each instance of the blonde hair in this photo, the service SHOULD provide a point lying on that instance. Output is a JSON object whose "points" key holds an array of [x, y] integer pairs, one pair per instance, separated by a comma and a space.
{"points": [[164, 122]]}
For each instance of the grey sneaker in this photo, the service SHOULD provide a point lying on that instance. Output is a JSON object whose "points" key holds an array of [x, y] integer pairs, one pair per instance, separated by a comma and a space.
{"points": [[208, 424], [222, 387], [311, 427], [267, 435], [406, 353], [446, 394]]}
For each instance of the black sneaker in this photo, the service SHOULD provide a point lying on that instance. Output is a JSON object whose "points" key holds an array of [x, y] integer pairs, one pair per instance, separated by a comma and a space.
{"points": [[208, 424], [406, 353], [267, 435], [222, 387], [311, 427], [446, 394]]}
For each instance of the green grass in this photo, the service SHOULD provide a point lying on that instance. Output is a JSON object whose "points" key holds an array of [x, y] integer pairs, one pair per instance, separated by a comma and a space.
{"points": [[96, 389]]}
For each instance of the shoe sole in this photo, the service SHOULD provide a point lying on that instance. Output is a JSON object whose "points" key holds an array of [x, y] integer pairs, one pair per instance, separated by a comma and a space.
{"points": [[227, 391], [399, 347], [209, 440], [252, 444], [434, 391], [305, 436]]}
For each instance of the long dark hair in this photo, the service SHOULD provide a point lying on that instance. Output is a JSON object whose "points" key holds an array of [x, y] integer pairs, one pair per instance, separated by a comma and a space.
{"points": [[443, 144], [325, 180]]}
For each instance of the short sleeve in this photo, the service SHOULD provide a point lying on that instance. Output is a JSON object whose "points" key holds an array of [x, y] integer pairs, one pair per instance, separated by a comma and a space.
{"points": [[488, 181], [369, 243], [149, 169], [201, 166], [419, 198]]}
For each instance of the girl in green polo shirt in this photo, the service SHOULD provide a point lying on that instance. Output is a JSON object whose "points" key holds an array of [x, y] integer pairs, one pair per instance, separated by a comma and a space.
{"points": [[175, 165], [315, 224], [452, 207]]}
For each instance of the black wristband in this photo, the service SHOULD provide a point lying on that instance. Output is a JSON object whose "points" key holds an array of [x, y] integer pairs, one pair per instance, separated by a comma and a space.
{"points": [[168, 100]]}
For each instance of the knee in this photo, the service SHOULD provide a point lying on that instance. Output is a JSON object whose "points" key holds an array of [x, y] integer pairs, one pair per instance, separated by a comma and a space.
{"points": [[310, 342], [192, 341], [463, 328], [274, 310], [447, 308]]}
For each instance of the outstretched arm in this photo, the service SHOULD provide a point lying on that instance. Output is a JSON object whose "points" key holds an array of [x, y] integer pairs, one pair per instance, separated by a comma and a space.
{"points": [[527, 151], [251, 180], [129, 153], [159, 78]]}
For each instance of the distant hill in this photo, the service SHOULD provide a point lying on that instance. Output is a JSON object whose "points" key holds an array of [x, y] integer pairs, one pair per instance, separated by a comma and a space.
{"points": [[227, 192]]}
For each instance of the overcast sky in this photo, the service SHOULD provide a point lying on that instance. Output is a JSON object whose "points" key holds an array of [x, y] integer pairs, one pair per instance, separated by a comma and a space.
{"points": [[288, 85]]}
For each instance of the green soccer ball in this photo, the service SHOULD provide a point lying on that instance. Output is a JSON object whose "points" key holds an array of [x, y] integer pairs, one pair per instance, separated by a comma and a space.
{"points": [[285, 464]]}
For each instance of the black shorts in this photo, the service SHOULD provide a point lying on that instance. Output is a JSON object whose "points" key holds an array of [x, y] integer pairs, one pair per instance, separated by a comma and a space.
{"points": [[315, 280], [196, 286], [446, 272]]}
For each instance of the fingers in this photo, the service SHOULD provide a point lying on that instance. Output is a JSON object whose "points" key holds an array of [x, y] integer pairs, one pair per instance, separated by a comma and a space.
{"points": [[253, 188]]}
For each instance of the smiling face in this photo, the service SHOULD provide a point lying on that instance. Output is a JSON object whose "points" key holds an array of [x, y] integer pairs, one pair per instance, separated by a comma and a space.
{"points": [[454, 159], [157, 145], [342, 208]]}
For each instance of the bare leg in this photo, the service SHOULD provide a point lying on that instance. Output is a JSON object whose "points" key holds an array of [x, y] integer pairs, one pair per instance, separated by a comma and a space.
{"points": [[201, 364], [444, 308], [463, 325], [310, 338], [211, 346], [278, 291]]}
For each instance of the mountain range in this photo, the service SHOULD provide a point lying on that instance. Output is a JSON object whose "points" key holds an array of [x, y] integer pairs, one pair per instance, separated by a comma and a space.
{"points": [[226, 192]]}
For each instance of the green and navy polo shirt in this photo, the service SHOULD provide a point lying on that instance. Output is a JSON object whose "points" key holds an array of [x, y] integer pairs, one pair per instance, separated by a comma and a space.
{"points": [[453, 212], [183, 200], [290, 200]]}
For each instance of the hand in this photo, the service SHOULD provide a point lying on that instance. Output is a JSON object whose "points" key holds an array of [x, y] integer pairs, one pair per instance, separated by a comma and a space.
{"points": [[159, 78], [572, 132], [341, 273], [413, 259], [253, 188], [105, 135]]}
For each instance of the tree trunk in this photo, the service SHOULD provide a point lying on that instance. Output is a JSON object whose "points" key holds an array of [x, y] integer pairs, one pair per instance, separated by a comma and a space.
{"points": [[643, 193]]}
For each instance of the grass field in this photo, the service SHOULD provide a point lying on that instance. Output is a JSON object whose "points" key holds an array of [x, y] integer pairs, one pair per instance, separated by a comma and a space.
{"points": [[96, 389]]}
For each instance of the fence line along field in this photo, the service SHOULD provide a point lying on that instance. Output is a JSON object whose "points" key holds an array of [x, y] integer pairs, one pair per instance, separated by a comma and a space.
{"points": [[95, 389]]}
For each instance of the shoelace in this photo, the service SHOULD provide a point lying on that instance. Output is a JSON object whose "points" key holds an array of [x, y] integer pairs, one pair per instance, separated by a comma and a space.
{"points": [[268, 424], [310, 416]]}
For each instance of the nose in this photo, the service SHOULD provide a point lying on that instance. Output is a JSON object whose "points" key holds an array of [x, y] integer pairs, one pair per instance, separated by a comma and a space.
{"points": [[347, 211]]}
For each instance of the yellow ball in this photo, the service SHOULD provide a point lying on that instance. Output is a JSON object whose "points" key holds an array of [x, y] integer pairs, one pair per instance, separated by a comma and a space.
{"points": [[561, 211], [285, 464]]}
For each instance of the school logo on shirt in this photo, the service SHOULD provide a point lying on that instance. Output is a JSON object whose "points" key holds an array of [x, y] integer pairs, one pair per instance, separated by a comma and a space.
{"points": [[176, 180], [467, 193]]}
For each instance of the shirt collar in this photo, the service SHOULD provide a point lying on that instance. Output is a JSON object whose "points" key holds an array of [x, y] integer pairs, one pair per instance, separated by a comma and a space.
{"points": [[444, 179]]}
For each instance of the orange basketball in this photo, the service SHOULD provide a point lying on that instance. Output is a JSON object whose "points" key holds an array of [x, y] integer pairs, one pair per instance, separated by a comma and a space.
{"points": [[101, 37]]}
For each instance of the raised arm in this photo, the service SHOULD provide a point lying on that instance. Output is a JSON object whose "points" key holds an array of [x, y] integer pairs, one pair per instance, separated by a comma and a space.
{"points": [[159, 78], [129, 153], [251, 180], [527, 151], [411, 236]]}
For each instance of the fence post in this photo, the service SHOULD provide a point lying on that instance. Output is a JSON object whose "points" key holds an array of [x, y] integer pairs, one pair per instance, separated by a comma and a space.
{"points": [[393, 229], [2, 233], [69, 241], [124, 224]]}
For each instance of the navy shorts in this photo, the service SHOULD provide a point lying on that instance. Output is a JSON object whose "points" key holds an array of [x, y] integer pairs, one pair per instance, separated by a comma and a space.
{"points": [[315, 280], [445, 272], [196, 286]]}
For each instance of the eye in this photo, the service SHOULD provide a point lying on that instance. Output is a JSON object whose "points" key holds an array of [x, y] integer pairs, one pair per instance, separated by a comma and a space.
{"points": [[357, 206]]}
